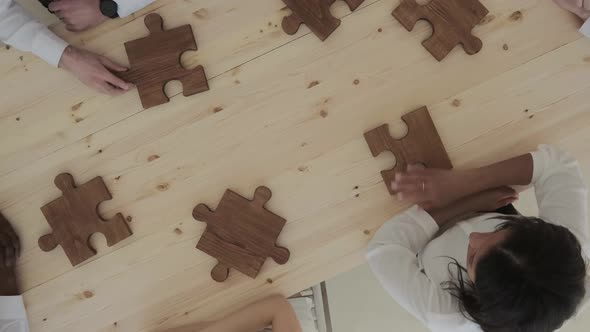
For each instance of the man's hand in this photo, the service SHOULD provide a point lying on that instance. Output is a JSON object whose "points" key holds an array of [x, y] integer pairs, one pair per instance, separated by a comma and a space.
{"points": [[9, 251], [78, 15], [94, 71], [581, 8]]}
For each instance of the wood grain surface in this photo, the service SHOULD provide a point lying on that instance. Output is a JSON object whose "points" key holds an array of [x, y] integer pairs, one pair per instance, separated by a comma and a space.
{"points": [[421, 145], [287, 112], [315, 14], [451, 20], [155, 61], [241, 234], [74, 218]]}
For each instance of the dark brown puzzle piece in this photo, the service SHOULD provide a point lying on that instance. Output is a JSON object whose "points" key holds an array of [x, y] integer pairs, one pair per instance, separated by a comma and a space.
{"points": [[155, 60], [422, 145], [451, 20], [241, 234], [315, 14], [74, 218]]}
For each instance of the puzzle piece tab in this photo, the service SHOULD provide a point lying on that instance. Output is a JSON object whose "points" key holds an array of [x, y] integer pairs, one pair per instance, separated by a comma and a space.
{"points": [[451, 20], [74, 218], [155, 60], [422, 145], [315, 14], [241, 234]]}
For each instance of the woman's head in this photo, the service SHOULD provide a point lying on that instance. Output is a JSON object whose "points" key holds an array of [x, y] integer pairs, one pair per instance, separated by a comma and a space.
{"points": [[527, 276]]}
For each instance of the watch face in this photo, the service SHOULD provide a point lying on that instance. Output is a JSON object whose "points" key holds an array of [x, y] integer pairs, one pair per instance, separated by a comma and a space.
{"points": [[109, 8]]}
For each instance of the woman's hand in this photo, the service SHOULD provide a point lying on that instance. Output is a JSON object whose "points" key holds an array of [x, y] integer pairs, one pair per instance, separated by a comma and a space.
{"points": [[94, 71], [484, 201], [581, 8], [490, 200], [430, 188]]}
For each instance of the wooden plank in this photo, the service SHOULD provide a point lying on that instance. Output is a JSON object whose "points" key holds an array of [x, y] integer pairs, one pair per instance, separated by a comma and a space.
{"points": [[301, 109], [62, 111]]}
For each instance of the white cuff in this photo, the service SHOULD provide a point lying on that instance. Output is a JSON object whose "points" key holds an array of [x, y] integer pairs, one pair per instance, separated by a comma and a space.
{"points": [[12, 307], [424, 219], [13, 317], [48, 46], [585, 29], [539, 158], [128, 7]]}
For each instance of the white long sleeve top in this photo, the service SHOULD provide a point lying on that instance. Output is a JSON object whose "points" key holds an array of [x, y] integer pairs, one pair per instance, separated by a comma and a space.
{"points": [[411, 266], [20, 30], [585, 29]]}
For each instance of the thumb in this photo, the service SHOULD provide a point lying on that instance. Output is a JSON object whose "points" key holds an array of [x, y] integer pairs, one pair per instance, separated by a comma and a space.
{"points": [[112, 65]]}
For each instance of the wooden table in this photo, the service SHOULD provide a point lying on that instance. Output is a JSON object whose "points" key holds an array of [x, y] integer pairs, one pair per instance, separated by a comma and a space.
{"points": [[264, 122]]}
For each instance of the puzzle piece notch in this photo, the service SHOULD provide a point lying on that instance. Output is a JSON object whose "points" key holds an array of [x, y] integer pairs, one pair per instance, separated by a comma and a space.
{"points": [[315, 14], [74, 219], [155, 61], [241, 233], [421, 145], [452, 22]]}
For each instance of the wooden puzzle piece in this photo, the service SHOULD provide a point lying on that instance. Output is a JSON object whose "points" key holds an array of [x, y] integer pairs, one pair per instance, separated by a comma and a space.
{"points": [[315, 14], [241, 234], [422, 145], [74, 218], [451, 20], [155, 60]]}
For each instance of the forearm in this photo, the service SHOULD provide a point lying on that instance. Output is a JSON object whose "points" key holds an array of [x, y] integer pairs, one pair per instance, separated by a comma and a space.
{"points": [[20, 30], [516, 171], [445, 214], [274, 310]]}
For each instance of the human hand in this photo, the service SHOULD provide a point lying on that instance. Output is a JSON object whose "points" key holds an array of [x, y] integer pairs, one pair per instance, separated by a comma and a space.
{"points": [[94, 71], [9, 250], [490, 200], [9, 243], [78, 15], [430, 188], [581, 8]]}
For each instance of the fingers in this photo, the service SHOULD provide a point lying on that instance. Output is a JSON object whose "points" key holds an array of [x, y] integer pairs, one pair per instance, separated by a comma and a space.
{"points": [[111, 78], [8, 252], [71, 27], [402, 179], [111, 64], [506, 193], [9, 256], [507, 201], [15, 241], [106, 88], [58, 5]]}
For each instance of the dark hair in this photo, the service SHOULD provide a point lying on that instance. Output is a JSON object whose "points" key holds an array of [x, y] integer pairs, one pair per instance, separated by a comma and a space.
{"points": [[532, 281]]}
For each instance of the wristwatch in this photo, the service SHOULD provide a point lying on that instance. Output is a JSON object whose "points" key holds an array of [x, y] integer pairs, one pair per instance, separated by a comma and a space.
{"points": [[109, 8]]}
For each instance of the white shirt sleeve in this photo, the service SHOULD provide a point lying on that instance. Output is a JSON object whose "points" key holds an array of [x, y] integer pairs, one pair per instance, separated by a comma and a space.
{"points": [[127, 7], [585, 29], [392, 255], [562, 195], [13, 317], [20, 30]]}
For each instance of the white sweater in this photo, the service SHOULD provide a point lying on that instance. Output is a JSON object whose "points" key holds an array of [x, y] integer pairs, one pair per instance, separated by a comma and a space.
{"points": [[410, 264], [21, 31]]}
